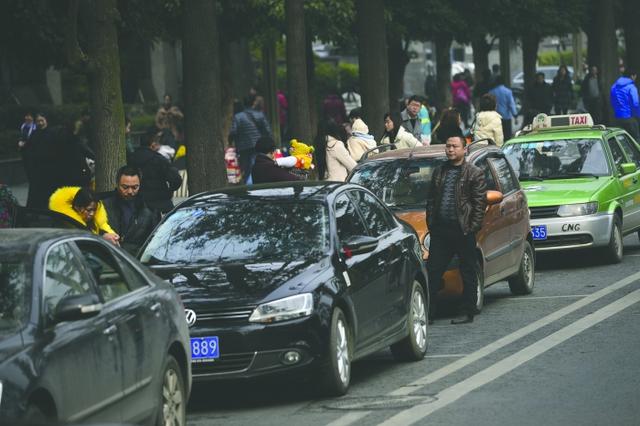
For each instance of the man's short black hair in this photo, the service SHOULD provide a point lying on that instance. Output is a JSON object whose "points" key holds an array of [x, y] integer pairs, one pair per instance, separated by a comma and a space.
{"points": [[127, 171], [249, 100], [415, 98], [629, 72], [265, 145], [355, 113], [152, 135]]}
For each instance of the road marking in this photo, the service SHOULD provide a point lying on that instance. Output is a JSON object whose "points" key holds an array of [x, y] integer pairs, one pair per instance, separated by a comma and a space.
{"points": [[414, 414], [451, 368], [446, 356], [571, 296]]}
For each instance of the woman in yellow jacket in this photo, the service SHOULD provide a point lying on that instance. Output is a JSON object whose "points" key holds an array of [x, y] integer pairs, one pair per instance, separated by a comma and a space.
{"points": [[81, 205]]}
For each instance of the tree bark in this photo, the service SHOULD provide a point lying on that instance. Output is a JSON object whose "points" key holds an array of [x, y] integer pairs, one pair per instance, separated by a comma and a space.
{"points": [[480, 56], [231, 90], [373, 63], [202, 94], [314, 102], [297, 86], [398, 60], [105, 94], [269, 87], [530, 44], [593, 40], [631, 26], [605, 32], [443, 71], [505, 60]]}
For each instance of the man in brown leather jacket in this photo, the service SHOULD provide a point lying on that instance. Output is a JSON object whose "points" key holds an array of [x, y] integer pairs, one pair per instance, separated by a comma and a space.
{"points": [[455, 209]]}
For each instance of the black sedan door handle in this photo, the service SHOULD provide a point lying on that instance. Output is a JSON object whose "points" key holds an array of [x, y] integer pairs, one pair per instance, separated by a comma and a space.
{"points": [[109, 331], [155, 307], [381, 262]]}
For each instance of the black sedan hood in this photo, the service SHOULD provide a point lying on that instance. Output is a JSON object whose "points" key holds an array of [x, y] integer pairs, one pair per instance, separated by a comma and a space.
{"points": [[239, 284]]}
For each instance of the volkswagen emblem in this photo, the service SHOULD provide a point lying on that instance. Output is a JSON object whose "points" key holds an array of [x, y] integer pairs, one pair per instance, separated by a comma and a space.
{"points": [[191, 316]]}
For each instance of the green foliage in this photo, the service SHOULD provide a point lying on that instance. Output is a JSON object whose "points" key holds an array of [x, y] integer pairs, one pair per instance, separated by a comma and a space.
{"points": [[332, 79], [557, 58]]}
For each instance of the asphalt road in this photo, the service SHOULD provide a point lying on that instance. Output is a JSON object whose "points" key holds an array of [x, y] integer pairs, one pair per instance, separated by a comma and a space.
{"points": [[565, 355]]}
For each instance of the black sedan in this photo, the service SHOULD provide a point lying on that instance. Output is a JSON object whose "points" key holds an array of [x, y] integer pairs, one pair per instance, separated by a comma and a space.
{"points": [[293, 276], [87, 333]]}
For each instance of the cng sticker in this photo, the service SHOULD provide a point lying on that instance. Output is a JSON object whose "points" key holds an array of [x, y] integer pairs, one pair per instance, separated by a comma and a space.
{"points": [[570, 227], [636, 199]]}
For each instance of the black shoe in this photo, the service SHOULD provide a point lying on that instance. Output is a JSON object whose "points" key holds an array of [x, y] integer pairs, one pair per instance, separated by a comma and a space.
{"points": [[464, 320]]}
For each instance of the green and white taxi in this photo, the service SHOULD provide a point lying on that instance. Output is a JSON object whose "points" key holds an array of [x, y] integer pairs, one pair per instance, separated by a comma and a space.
{"points": [[582, 183]]}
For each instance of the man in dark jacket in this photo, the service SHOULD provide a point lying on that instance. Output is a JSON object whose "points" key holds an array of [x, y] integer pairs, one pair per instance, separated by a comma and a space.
{"points": [[127, 213], [159, 177], [538, 98], [265, 168], [591, 90], [455, 210]]}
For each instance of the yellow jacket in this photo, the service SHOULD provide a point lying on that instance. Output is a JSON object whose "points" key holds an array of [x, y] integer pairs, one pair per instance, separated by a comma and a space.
{"points": [[61, 201]]}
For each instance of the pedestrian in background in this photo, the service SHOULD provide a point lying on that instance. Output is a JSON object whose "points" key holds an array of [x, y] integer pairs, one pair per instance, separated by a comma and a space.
{"points": [[160, 177], [455, 209], [8, 207], [625, 103], [505, 105], [395, 133], [461, 95], [410, 119], [448, 125], [265, 168], [332, 159], [333, 108], [538, 98], [591, 91], [360, 140], [246, 128], [562, 91], [26, 129], [127, 213], [488, 123]]}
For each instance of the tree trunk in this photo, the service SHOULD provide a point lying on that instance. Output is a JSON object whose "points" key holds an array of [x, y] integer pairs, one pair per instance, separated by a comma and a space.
{"points": [[230, 89], [314, 101], [530, 44], [105, 93], [593, 40], [480, 55], [373, 64], [202, 93], [631, 21], [605, 31], [241, 65], [443, 71], [297, 86], [269, 87], [398, 60], [505, 60]]}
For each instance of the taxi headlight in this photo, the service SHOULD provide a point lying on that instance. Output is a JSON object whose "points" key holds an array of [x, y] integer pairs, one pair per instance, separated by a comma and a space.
{"points": [[300, 305], [578, 209]]}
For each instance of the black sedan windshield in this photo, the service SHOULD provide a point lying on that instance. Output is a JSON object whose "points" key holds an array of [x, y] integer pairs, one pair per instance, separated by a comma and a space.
{"points": [[400, 183], [14, 292], [557, 159], [239, 231]]}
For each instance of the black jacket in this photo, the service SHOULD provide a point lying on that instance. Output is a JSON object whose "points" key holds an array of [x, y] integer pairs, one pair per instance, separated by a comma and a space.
{"points": [[159, 178], [140, 226], [266, 170], [471, 197]]}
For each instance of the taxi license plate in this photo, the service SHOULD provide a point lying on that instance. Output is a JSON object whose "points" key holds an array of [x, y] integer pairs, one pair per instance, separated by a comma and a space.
{"points": [[539, 232], [203, 348]]}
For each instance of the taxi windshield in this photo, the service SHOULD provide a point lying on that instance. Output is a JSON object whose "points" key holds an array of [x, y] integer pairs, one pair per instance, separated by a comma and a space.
{"points": [[401, 183], [240, 230], [557, 159]]}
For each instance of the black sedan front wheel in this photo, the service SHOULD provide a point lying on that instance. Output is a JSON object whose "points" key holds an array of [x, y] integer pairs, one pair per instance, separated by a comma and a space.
{"points": [[172, 398], [414, 346], [335, 374]]}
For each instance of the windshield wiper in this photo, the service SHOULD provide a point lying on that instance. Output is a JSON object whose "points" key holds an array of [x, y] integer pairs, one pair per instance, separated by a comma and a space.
{"points": [[570, 175], [525, 177]]}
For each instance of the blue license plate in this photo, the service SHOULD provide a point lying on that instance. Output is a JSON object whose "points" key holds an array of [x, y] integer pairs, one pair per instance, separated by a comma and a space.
{"points": [[539, 232], [205, 347]]}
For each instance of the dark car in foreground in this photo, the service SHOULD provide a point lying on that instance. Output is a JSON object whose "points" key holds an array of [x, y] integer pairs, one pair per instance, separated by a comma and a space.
{"points": [[87, 334], [292, 277]]}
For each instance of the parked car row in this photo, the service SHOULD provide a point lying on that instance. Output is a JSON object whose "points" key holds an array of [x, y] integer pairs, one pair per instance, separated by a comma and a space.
{"points": [[290, 278]]}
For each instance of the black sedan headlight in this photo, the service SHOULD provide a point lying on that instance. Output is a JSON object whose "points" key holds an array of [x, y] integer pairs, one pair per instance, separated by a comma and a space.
{"points": [[298, 306]]}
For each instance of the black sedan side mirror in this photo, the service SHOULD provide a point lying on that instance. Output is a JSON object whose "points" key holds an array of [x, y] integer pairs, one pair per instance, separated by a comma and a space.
{"points": [[74, 308], [359, 244]]}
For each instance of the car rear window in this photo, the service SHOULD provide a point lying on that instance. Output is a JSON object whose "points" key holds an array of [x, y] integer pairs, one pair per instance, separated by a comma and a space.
{"points": [[240, 230], [557, 159], [400, 183]]}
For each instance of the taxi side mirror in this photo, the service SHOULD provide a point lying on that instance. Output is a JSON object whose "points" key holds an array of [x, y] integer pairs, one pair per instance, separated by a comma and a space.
{"points": [[628, 168], [494, 197]]}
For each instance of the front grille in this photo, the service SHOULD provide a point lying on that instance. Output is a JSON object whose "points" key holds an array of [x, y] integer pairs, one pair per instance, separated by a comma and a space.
{"points": [[228, 314], [225, 364], [563, 240], [543, 212]]}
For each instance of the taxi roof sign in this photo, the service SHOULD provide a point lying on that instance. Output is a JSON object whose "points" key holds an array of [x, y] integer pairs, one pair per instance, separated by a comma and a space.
{"points": [[544, 121]]}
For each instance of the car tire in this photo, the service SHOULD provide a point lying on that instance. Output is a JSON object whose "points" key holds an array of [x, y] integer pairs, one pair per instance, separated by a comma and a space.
{"points": [[335, 374], [34, 415], [523, 281], [172, 399], [480, 280], [614, 251], [414, 346]]}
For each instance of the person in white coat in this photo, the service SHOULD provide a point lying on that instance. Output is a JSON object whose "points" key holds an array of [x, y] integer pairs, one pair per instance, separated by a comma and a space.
{"points": [[396, 134], [360, 140], [488, 123], [332, 159]]}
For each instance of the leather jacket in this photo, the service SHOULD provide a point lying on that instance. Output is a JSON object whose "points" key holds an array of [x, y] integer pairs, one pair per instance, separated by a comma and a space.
{"points": [[471, 197]]}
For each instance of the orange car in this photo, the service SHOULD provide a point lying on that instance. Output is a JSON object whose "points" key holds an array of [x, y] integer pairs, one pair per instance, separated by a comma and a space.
{"points": [[505, 251]]}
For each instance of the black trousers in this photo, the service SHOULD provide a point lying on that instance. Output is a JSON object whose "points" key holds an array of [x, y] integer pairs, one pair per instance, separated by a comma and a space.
{"points": [[445, 243], [506, 129]]}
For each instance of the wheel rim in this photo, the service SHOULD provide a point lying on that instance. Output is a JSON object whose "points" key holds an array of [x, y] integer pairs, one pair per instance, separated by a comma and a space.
{"points": [[342, 352], [479, 291], [617, 241], [172, 400], [527, 267], [419, 320]]}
